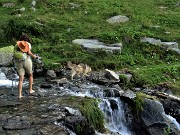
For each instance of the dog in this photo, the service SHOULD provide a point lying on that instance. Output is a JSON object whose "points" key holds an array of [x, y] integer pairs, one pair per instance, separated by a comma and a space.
{"points": [[79, 69]]}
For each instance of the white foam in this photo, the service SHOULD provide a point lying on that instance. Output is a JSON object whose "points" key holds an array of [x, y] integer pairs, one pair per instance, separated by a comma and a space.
{"points": [[7, 83]]}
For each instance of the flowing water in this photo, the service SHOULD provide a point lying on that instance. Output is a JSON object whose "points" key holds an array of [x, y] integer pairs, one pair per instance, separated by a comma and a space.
{"points": [[115, 118], [112, 107]]}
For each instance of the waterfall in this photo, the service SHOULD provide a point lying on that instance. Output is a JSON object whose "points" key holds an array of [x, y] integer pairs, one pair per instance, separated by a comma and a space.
{"points": [[114, 115], [112, 108], [172, 120], [4, 81]]}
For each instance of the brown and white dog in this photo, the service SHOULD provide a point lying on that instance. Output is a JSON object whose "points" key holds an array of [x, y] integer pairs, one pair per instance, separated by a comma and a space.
{"points": [[79, 69]]}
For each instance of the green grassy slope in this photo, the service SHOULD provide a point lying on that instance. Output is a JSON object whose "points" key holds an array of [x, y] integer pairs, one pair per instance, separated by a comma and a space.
{"points": [[55, 24]]}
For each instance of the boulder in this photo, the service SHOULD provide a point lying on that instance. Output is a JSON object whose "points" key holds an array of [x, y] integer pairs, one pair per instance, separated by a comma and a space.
{"points": [[111, 75], [93, 45], [151, 41], [79, 125], [103, 79], [152, 120], [118, 19]]}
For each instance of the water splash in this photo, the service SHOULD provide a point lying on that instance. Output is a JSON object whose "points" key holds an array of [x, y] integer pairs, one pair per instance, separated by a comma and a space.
{"points": [[172, 120], [112, 108], [114, 116]]}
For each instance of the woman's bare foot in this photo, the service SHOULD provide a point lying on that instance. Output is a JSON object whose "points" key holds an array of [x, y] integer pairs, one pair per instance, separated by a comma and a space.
{"points": [[20, 96], [31, 91]]}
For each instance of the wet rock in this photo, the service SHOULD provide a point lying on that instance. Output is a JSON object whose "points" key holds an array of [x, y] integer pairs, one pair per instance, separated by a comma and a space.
{"points": [[73, 111], [111, 92], [152, 119], [6, 103], [79, 125], [16, 123], [114, 105], [46, 86], [53, 130], [3, 120], [172, 108], [129, 94]]}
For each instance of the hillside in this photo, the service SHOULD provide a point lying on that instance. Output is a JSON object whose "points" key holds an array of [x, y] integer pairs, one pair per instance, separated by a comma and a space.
{"points": [[54, 24]]}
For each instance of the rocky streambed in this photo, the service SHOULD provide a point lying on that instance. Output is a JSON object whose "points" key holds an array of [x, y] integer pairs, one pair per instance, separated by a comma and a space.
{"points": [[54, 109]]}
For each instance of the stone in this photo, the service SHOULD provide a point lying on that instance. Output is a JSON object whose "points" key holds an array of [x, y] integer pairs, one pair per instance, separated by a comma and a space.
{"points": [[73, 111], [33, 3], [127, 77], [111, 74], [94, 45], [170, 45], [151, 41], [60, 81], [74, 122], [129, 94], [22, 9], [118, 19], [6, 59], [6, 103], [151, 120], [53, 130], [16, 123], [51, 74]]}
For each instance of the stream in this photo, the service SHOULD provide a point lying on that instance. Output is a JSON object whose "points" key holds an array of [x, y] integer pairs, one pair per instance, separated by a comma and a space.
{"points": [[115, 120], [111, 106]]}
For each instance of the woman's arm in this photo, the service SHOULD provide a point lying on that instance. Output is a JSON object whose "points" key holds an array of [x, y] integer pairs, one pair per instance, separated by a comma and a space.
{"points": [[31, 54]]}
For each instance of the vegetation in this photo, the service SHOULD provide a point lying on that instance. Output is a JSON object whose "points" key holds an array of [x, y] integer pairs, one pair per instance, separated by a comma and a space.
{"points": [[167, 131], [156, 73], [139, 102], [94, 116], [89, 108], [54, 24]]}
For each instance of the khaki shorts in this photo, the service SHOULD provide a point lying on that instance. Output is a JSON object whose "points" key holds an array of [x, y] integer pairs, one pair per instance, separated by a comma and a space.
{"points": [[24, 66]]}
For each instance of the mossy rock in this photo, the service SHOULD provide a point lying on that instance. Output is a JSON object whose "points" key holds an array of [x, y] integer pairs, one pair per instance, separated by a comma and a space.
{"points": [[6, 55], [7, 49]]}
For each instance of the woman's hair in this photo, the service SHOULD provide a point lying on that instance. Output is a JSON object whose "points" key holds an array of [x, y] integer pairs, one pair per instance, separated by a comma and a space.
{"points": [[25, 37]]}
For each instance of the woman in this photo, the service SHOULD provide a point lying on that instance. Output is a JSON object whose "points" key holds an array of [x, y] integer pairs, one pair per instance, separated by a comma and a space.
{"points": [[25, 65]]}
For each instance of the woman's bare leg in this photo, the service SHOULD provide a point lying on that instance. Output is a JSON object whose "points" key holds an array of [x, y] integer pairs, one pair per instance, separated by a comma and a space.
{"points": [[31, 83], [21, 78]]}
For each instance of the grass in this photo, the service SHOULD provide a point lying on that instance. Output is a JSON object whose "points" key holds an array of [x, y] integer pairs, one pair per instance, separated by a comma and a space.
{"points": [[56, 23], [89, 108]]}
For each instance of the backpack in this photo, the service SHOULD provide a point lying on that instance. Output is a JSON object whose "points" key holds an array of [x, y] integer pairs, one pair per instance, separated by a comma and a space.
{"points": [[18, 54]]}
